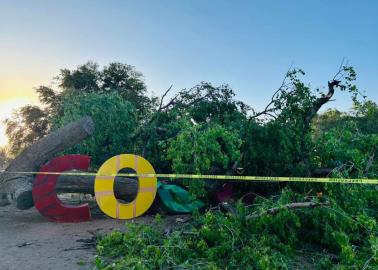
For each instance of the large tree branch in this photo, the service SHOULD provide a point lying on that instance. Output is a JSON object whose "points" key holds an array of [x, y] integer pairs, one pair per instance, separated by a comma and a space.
{"points": [[309, 116], [321, 101], [124, 187], [162, 98], [18, 186], [268, 110]]}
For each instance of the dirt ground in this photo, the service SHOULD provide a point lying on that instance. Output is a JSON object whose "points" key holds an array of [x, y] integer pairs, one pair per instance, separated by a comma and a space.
{"points": [[29, 241]]}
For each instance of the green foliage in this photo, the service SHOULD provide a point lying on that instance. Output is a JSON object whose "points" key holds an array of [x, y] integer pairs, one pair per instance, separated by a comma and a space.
{"points": [[114, 118], [209, 114], [347, 143], [203, 105], [203, 149], [197, 149], [271, 149], [282, 145], [366, 116], [118, 78], [332, 239], [343, 235]]}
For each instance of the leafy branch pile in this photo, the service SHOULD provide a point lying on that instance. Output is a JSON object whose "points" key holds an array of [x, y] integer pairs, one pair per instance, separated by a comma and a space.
{"points": [[205, 130], [328, 237]]}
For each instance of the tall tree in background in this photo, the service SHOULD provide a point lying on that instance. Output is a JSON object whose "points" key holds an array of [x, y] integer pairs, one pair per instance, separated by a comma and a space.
{"points": [[347, 143], [28, 124], [31, 123], [117, 78]]}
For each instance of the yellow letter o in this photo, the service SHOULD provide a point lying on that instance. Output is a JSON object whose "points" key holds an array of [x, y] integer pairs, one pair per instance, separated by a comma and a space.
{"points": [[104, 184]]}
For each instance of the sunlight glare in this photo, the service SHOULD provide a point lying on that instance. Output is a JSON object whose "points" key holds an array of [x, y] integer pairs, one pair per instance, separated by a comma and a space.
{"points": [[6, 109]]}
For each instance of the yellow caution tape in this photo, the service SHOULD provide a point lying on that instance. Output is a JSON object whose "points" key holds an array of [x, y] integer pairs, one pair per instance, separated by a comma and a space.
{"points": [[214, 177]]}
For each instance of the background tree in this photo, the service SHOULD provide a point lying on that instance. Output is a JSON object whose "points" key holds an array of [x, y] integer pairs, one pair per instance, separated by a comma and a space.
{"points": [[4, 159], [31, 123], [347, 142], [27, 125]]}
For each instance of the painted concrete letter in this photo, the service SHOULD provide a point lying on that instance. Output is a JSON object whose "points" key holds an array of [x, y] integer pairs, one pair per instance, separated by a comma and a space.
{"points": [[104, 184], [44, 195]]}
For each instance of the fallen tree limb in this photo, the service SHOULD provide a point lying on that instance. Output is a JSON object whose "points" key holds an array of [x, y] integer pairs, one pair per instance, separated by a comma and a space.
{"points": [[124, 188], [16, 187], [275, 210]]}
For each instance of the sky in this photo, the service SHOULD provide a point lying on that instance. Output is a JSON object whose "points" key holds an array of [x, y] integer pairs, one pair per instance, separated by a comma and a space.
{"points": [[247, 44]]}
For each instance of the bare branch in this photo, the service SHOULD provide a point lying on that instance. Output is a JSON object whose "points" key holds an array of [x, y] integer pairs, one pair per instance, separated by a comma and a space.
{"points": [[268, 110], [171, 102], [275, 210], [341, 69], [163, 96]]}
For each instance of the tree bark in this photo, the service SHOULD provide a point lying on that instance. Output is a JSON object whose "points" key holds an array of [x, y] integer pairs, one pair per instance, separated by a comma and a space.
{"points": [[17, 188], [320, 102], [125, 188], [309, 116]]}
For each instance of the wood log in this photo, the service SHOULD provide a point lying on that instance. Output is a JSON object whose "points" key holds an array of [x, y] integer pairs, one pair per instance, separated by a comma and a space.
{"points": [[17, 188], [125, 188]]}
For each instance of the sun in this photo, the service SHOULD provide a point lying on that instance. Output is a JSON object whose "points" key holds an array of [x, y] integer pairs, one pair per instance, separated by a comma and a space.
{"points": [[7, 107]]}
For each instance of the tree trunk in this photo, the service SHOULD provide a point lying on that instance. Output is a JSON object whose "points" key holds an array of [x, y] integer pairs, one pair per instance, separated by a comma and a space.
{"points": [[125, 188], [17, 187], [311, 113]]}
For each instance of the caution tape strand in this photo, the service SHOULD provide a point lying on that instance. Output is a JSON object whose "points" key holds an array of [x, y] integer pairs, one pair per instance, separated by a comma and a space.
{"points": [[212, 177]]}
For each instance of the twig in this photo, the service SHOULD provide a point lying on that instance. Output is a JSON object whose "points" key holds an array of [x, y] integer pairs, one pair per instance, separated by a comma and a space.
{"points": [[228, 208], [340, 69], [370, 161], [24, 244], [275, 210], [268, 110], [366, 265]]}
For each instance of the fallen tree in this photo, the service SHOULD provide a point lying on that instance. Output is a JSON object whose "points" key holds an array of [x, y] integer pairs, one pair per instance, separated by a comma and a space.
{"points": [[212, 115], [17, 187]]}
